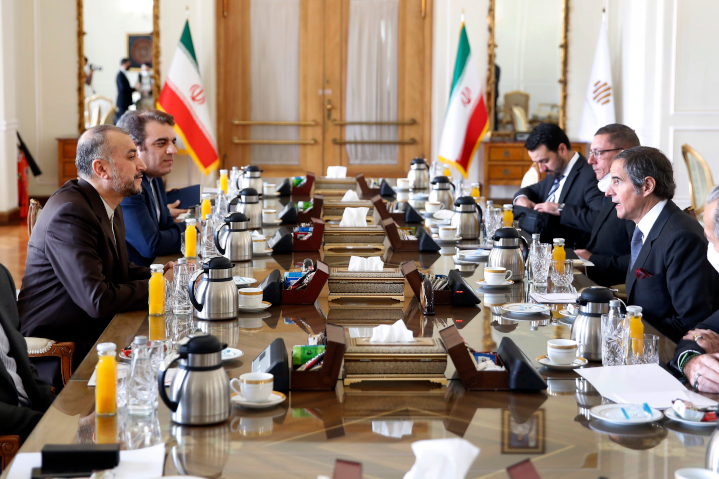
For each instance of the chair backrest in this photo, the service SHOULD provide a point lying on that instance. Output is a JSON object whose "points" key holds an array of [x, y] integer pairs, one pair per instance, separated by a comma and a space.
{"points": [[96, 109], [33, 212], [519, 118], [531, 177], [515, 98], [700, 177]]}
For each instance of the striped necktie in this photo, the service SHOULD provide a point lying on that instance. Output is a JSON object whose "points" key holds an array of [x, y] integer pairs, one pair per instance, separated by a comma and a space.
{"points": [[636, 245], [555, 186]]}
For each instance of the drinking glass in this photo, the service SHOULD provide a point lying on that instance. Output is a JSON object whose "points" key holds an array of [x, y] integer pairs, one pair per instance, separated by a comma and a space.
{"points": [[562, 273], [181, 280], [540, 259], [209, 248], [643, 350], [123, 371], [615, 331], [141, 384]]}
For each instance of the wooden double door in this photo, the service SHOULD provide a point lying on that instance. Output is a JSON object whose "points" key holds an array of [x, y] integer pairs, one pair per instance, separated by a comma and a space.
{"points": [[317, 132]]}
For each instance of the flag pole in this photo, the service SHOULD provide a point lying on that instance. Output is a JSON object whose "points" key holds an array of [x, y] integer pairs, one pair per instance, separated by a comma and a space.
{"points": [[462, 16], [187, 12]]}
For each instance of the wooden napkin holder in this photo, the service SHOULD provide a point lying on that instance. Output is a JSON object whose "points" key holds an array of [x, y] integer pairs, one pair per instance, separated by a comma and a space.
{"points": [[325, 378], [519, 374], [315, 241], [366, 190], [410, 215], [310, 294], [458, 293], [306, 188], [316, 210], [424, 241]]}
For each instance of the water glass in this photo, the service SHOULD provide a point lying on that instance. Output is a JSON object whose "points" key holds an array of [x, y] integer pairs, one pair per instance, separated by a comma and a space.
{"points": [[180, 292], [209, 248], [615, 331], [123, 371], [562, 273], [540, 259], [643, 350], [142, 383]]}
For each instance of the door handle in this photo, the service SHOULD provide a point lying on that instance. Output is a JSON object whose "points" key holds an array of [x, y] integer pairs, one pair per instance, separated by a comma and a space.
{"points": [[329, 109]]}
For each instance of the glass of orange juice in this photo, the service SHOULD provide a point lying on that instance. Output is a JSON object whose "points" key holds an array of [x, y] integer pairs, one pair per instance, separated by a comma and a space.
{"points": [[190, 238], [157, 290], [106, 380]]}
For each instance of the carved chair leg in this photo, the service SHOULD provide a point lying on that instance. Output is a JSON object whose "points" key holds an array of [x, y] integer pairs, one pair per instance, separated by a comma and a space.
{"points": [[9, 446]]}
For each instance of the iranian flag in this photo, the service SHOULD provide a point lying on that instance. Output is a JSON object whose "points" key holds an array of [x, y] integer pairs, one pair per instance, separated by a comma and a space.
{"points": [[184, 98], [466, 120]]}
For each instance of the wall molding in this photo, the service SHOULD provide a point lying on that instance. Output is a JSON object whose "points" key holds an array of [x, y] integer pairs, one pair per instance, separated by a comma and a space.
{"points": [[9, 125]]}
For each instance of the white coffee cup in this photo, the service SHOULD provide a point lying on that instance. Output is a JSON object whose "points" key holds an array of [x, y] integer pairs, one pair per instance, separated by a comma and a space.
{"points": [[269, 216], [254, 387], [250, 297], [402, 182], [447, 232], [562, 351], [432, 206], [496, 275], [269, 188], [259, 244]]}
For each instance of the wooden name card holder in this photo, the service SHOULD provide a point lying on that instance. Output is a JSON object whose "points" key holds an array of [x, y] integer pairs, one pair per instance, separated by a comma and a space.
{"points": [[316, 210], [457, 294], [424, 241], [410, 215], [315, 241], [313, 289], [519, 374], [306, 188], [334, 186], [364, 186], [325, 378]]}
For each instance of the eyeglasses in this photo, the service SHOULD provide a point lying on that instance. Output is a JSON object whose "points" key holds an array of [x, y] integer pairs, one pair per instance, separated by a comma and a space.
{"points": [[598, 153]]}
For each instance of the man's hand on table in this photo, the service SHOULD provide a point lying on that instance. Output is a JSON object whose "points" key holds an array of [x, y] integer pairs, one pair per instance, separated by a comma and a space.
{"points": [[703, 373], [174, 211], [584, 254], [549, 207], [707, 339], [168, 271], [524, 201]]}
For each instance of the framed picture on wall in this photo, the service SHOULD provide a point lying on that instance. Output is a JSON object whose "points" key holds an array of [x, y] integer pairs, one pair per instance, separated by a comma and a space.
{"points": [[524, 438], [139, 50]]}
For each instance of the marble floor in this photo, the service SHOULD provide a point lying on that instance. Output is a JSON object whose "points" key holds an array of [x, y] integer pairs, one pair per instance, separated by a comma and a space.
{"points": [[13, 250]]}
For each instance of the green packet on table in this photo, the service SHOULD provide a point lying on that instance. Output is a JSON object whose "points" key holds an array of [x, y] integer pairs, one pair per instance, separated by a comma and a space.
{"points": [[302, 354]]}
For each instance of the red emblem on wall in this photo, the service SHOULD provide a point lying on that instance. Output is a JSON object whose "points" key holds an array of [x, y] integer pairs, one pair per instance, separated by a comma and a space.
{"points": [[466, 96], [197, 94]]}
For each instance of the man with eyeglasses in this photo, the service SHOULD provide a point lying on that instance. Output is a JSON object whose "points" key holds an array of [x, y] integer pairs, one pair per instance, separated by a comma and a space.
{"points": [[566, 202], [609, 246]]}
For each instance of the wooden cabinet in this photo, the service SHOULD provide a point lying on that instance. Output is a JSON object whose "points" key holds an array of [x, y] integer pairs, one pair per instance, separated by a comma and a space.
{"points": [[66, 151], [505, 163]]}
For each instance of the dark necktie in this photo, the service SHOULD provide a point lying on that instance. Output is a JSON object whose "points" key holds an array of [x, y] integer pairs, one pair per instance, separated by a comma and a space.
{"points": [[555, 186], [636, 245]]}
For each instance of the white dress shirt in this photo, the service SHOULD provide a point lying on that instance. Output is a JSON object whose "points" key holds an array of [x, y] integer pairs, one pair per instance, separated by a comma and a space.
{"points": [[645, 224], [11, 367]]}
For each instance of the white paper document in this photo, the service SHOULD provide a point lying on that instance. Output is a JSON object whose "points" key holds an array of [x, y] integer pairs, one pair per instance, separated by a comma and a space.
{"points": [[553, 298], [144, 463], [641, 383]]}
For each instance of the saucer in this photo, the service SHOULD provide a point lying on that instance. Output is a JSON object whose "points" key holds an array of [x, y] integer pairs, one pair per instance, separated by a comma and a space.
{"points": [[525, 308], [474, 261], [509, 282], [437, 238], [566, 313], [271, 195], [231, 353], [672, 414], [275, 399], [273, 223], [577, 363], [243, 281], [262, 253], [611, 413], [254, 309]]}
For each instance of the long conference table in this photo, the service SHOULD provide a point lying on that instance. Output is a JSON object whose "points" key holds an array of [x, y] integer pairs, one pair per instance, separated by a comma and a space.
{"points": [[375, 423]]}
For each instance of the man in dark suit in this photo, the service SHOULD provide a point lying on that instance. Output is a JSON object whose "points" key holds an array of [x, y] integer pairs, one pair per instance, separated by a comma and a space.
{"points": [[77, 273], [150, 230], [124, 90], [564, 204], [668, 276], [23, 397], [609, 244]]}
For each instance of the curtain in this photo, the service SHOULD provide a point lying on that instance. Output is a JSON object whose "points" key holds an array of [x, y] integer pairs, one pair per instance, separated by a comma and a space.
{"points": [[372, 79], [275, 78]]}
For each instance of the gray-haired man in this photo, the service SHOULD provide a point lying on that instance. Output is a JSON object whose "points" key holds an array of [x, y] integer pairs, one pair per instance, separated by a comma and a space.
{"points": [[77, 274]]}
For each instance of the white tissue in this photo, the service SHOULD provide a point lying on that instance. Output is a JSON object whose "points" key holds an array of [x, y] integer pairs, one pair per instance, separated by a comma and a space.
{"points": [[354, 217], [397, 333], [336, 172], [442, 458], [351, 195], [358, 263], [395, 429]]}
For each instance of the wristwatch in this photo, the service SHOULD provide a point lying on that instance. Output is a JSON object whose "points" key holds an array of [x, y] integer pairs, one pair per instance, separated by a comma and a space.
{"points": [[561, 207]]}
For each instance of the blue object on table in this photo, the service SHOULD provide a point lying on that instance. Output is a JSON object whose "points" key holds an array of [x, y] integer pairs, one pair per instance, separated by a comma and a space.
{"points": [[188, 196]]}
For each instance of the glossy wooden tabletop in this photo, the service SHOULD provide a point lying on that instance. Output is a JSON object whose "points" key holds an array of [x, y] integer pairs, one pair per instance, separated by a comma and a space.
{"points": [[375, 423]]}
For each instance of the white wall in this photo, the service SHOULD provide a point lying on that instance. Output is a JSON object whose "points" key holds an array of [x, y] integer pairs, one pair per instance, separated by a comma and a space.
{"points": [[8, 114]]}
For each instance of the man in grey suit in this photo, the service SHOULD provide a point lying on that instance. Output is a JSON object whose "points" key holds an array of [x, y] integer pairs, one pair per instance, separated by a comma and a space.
{"points": [[23, 397]]}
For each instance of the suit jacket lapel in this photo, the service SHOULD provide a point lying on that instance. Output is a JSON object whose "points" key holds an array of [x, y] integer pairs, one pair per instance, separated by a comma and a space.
{"points": [[603, 214], [98, 207], [153, 203], [656, 230], [570, 178], [119, 222]]}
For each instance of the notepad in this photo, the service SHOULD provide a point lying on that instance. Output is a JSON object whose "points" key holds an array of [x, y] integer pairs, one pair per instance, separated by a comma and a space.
{"points": [[188, 196]]}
